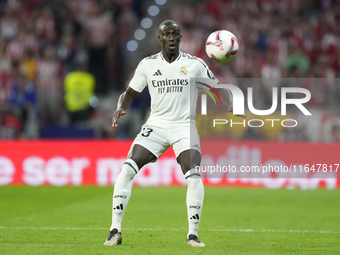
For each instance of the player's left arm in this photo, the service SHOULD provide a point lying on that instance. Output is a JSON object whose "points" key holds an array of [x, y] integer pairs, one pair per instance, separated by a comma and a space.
{"points": [[227, 100], [225, 94]]}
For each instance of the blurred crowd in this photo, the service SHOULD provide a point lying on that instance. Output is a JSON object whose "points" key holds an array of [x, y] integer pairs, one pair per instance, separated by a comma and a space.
{"points": [[57, 52], [42, 42], [290, 39], [294, 38], [277, 39]]}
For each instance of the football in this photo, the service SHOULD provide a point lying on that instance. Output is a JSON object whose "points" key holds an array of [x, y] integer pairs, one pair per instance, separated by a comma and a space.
{"points": [[221, 46]]}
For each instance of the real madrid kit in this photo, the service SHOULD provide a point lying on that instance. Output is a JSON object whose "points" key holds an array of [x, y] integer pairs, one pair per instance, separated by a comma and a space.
{"points": [[173, 92]]}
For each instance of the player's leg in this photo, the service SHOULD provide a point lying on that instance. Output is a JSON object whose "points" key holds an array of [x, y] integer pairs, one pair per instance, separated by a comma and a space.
{"points": [[149, 144], [186, 144], [138, 157], [188, 160]]}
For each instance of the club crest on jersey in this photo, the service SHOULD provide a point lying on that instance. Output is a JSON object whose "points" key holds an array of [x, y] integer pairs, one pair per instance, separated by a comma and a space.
{"points": [[183, 71]]}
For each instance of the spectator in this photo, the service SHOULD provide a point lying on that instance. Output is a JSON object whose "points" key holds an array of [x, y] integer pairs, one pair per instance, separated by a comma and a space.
{"points": [[49, 86], [271, 71], [23, 100], [297, 59], [45, 25], [9, 24], [98, 30], [10, 125], [28, 65], [67, 52], [5, 72], [79, 88]]}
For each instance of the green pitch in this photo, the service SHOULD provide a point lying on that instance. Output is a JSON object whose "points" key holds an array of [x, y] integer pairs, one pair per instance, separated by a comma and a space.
{"points": [[69, 220]]}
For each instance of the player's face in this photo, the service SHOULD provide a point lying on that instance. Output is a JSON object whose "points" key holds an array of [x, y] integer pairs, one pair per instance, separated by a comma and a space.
{"points": [[170, 37]]}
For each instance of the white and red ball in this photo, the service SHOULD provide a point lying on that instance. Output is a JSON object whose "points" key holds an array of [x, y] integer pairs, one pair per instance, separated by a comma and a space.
{"points": [[221, 46]]}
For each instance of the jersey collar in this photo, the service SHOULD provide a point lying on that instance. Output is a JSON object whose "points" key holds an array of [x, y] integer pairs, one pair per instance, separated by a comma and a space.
{"points": [[178, 57]]}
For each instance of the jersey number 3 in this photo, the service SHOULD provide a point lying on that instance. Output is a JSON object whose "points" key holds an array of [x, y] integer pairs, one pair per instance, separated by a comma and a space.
{"points": [[146, 132]]}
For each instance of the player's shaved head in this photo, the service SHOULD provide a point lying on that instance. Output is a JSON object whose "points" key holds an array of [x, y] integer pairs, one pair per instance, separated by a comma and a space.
{"points": [[167, 24], [169, 35]]}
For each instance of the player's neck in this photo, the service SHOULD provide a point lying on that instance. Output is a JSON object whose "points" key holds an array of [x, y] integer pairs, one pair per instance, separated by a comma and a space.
{"points": [[170, 57]]}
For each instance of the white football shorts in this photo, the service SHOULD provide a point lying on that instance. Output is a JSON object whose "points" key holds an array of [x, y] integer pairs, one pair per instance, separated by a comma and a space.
{"points": [[157, 138]]}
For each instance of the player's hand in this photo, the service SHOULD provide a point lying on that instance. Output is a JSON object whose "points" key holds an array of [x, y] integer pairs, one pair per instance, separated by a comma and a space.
{"points": [[116, 116], [243, 116], [238, 115]]}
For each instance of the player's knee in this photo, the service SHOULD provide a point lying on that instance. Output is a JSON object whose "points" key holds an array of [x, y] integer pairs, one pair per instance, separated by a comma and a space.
{"points": [[141, 156], [130, 169], [189, 159]]}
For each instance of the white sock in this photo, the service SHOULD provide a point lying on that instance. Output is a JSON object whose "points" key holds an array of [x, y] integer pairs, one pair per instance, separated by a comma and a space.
{"points": [[195, 196], [122, 192]]}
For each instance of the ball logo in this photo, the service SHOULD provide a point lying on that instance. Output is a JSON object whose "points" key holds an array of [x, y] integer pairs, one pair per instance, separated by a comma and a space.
{"points": [[183, 71]]}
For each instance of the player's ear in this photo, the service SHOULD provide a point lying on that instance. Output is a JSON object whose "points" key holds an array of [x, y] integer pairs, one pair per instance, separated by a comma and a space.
{"points": [[159, 38]]}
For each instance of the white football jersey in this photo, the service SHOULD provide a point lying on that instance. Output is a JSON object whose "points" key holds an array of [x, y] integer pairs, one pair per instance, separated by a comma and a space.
{"points": [[172, 86]]}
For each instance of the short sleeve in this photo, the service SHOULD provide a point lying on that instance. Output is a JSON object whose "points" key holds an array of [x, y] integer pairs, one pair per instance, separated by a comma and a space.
{"points": [[139, 81], [205, 73]]}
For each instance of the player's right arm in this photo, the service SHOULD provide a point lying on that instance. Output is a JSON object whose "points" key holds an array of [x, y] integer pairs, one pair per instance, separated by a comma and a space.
{"points": [[124, 102], [227, 100], [136, 86]]}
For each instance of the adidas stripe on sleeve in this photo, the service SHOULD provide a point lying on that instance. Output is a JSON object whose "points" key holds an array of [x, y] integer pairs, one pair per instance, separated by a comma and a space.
{"points": [[139, 80], [205, 73]]}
